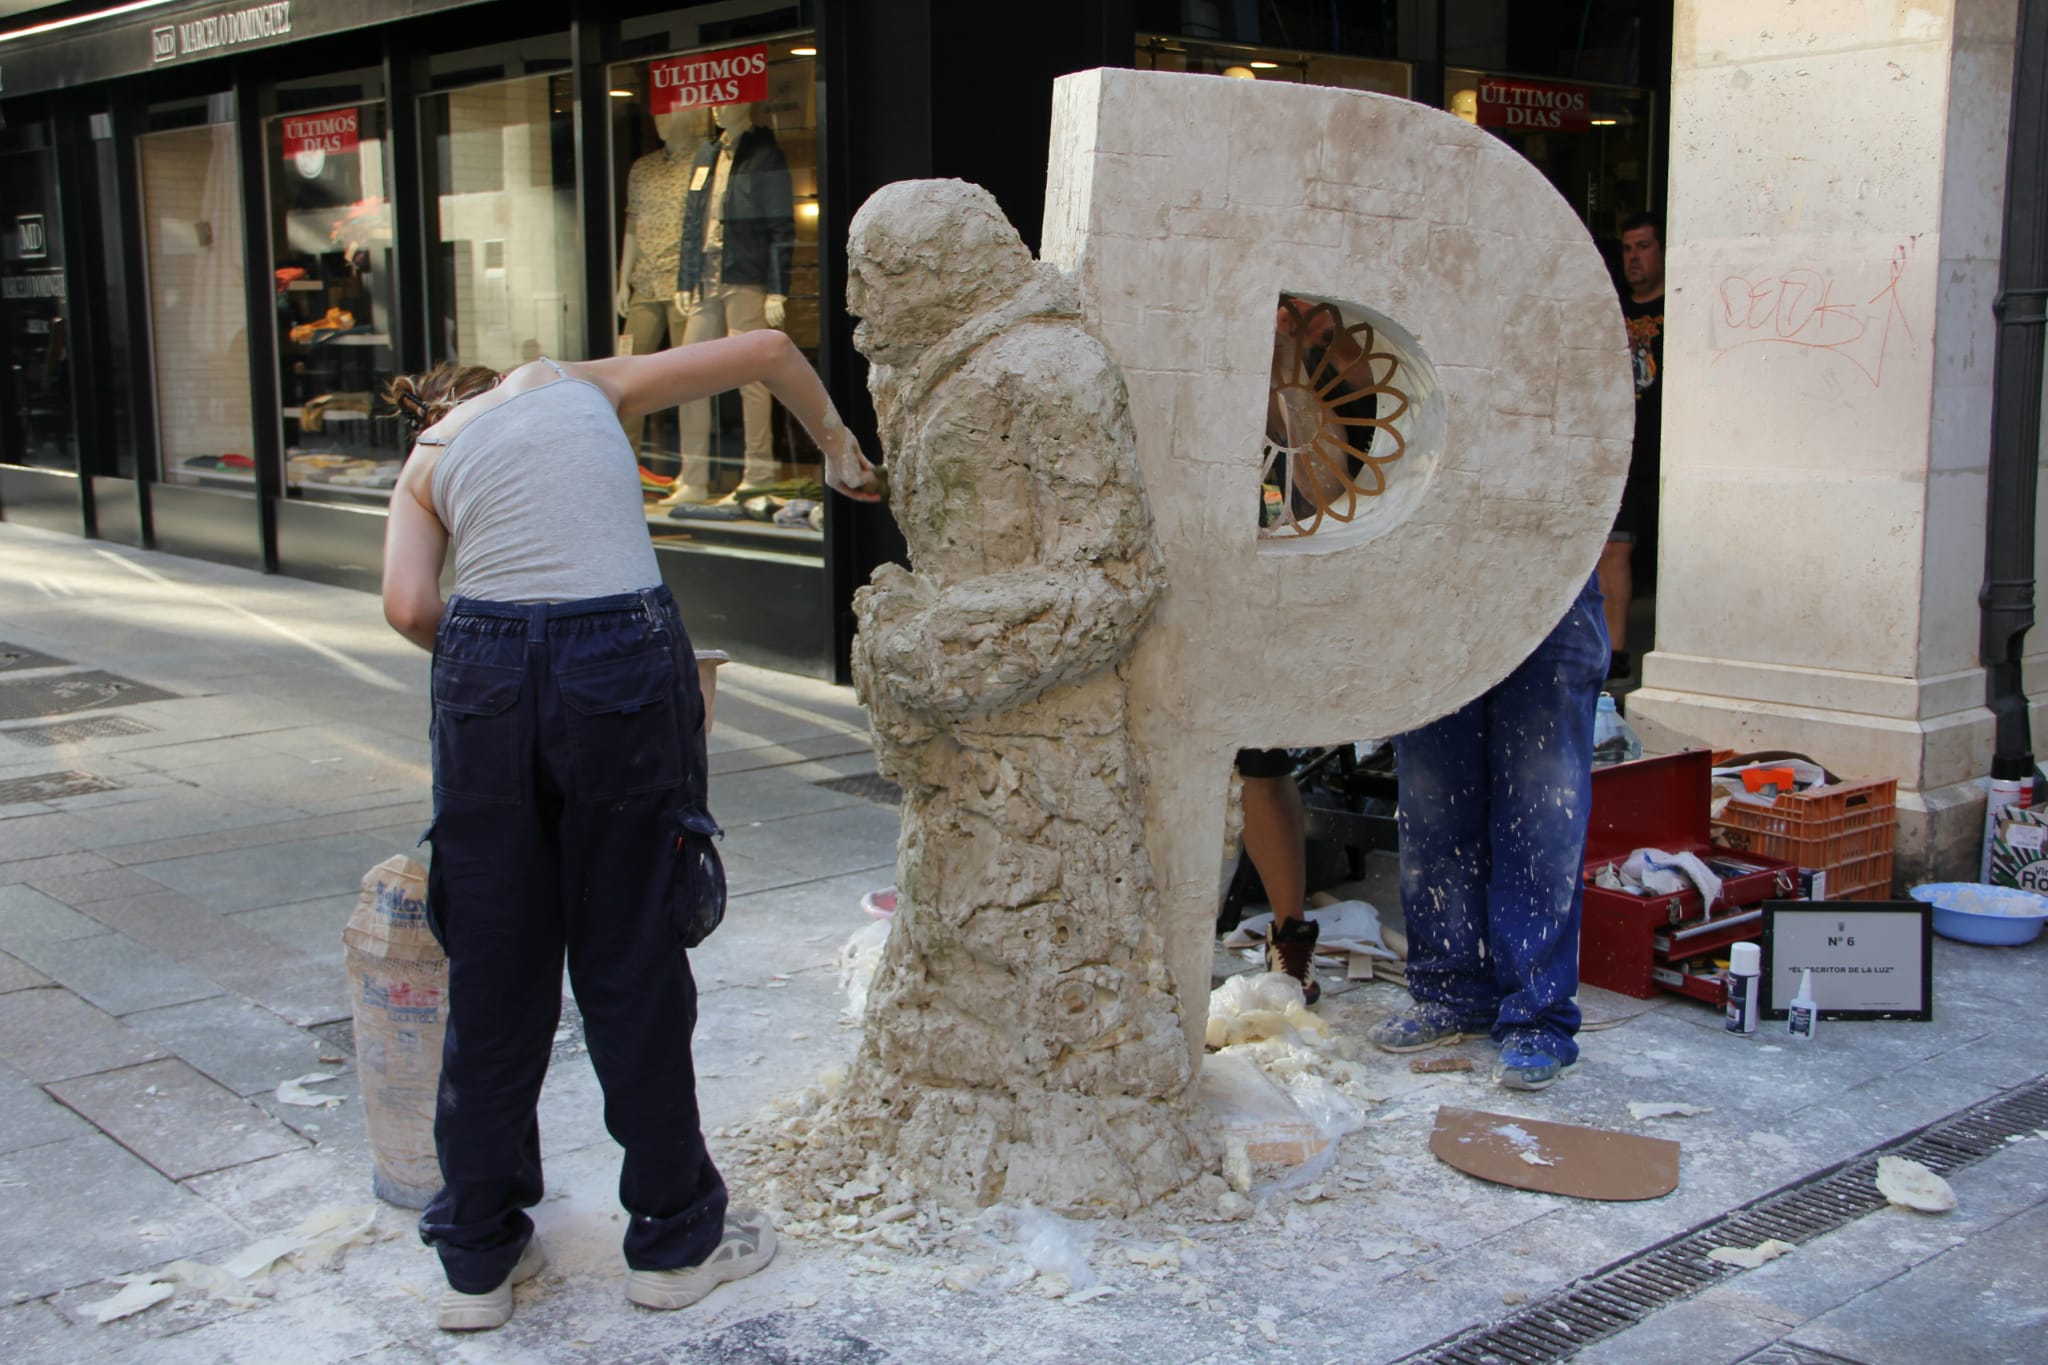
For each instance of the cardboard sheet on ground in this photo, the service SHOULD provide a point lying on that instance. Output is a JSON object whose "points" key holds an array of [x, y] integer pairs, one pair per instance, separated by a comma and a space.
{"points": [[1554, 1158]]}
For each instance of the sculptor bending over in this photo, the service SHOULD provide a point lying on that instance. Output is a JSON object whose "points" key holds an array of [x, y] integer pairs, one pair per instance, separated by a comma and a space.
{"points": [[570, 811]]}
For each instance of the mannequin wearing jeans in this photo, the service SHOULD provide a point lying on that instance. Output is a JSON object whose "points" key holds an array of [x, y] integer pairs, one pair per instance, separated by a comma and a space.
{"points": [[739, 230]]}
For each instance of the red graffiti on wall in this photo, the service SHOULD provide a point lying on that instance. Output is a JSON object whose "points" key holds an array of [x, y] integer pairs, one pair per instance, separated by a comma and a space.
{"points": [[1799, 307]]}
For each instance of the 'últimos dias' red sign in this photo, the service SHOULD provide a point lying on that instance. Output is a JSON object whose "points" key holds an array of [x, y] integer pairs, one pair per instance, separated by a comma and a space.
{"points": [[1539, 106], [736, 76], [333, 133]]}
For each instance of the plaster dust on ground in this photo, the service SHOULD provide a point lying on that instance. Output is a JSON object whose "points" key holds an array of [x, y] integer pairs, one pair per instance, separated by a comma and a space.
{"points": [[1392, 1251], [1383, 1245]]}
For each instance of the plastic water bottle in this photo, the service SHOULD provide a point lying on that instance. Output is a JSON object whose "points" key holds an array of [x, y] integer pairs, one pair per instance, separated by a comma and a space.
{"points": [[1613, 740]]}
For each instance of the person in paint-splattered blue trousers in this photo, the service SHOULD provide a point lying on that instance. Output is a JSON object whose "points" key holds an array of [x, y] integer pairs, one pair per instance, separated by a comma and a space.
{"points": [[1494, 803]]}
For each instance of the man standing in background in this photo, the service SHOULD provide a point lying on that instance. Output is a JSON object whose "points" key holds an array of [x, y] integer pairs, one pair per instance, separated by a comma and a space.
{"points": [[1642, 268]]}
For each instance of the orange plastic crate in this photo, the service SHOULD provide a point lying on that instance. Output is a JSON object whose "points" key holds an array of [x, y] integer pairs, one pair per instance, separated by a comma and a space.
{"points": [[1846, 831]]}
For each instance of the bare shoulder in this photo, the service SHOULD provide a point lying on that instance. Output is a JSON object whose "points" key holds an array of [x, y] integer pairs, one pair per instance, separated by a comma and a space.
{"points": [[609, 375], [416, 479], [531, 375]]}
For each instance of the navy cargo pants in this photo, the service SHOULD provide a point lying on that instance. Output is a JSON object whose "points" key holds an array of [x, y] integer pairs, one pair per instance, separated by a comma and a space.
{"points": [[569, 817]]}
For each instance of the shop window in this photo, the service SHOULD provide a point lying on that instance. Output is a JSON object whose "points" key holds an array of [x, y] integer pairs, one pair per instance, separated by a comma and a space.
{"points": [[506, 271], [37, 421], [715, 137], [1591, 141], [198, 303], [1163, 53], [333, 283]]}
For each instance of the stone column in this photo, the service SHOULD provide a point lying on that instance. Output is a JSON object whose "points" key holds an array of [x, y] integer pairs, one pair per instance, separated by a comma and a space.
{"points": [[1837, 178]]}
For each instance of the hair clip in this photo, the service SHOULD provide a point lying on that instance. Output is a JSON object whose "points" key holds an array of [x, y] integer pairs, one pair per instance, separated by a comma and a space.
{"points": [[413, 407]]}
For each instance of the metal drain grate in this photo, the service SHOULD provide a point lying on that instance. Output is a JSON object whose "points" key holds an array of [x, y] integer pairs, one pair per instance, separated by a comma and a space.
{"points": [[867, 786], [1612, 1300], [51, 786], [72, 731], [73, 692], [13, 657]]}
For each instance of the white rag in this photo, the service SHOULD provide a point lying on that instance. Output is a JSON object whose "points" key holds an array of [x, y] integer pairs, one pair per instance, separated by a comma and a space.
{"points": [[1346, 926], [1653, 872]]}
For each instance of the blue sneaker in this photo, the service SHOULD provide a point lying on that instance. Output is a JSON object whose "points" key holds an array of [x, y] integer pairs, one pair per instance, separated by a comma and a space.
{"points": [[1421, 1025], [1527, 1064]]}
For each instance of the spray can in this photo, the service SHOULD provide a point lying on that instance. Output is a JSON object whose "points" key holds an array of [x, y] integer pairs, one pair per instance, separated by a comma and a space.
{"points": [[2003, 792], [1744, 972], [1802, 1014]]}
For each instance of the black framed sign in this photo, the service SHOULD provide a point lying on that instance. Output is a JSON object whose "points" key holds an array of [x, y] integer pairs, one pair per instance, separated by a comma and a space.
{"points": [[1869, 959]]}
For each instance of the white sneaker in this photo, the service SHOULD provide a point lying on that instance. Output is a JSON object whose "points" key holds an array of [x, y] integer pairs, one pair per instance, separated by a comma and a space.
{"points": [[462, 1312], [748, 1245], [685, 492]]}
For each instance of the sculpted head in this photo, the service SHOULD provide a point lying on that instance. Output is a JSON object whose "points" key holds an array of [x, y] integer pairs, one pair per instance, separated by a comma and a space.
{"points": [[923, 256]]}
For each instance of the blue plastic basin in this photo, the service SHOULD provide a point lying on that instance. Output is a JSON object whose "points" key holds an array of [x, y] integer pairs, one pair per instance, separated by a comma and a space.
{"points": [[1971, 912]]}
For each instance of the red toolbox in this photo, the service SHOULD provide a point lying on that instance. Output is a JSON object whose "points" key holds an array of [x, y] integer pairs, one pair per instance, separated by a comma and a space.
{"points": [[1639, 944]]}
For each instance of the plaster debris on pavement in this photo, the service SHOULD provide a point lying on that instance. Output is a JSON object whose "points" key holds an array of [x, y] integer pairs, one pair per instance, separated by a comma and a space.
{"points": [[171, 981]]}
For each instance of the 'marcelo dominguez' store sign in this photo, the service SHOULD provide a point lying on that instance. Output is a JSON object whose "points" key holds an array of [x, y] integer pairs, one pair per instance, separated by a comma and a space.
{"points": [[36, 284], [214, 32], [1538, 106], [178, 32], [739, 76]]}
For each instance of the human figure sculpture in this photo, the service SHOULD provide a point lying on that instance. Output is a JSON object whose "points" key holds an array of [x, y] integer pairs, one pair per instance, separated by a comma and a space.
{"points": [[1023, 1039]]}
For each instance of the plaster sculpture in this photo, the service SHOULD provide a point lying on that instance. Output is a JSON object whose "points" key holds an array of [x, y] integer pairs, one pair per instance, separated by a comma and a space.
{"points": [[1023, 1040], [1181, 207], [1062, 728]]}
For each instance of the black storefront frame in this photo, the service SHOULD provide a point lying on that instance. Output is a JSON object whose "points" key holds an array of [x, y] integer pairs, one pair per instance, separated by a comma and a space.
{"points": [[50, 499], [775, 610], [895, 75], [335, 542]]}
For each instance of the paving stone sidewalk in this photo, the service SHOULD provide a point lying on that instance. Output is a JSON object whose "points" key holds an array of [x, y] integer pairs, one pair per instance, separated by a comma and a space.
{"points": [[177, 858]]}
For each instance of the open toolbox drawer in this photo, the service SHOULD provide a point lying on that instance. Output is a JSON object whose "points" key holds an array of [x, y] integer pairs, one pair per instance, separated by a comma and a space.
{"points": [[1638, 945]]}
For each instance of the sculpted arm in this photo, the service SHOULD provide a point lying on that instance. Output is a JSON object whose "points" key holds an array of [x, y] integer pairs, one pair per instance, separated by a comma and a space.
{"points": [[1031, 595]]}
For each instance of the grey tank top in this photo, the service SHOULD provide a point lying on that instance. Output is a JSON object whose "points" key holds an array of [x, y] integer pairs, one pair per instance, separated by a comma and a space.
{"points": [[541, 498]]}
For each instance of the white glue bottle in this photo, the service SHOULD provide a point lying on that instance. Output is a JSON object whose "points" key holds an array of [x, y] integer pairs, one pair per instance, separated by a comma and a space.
{"points": [[1801, 1015], [1744, 969]]}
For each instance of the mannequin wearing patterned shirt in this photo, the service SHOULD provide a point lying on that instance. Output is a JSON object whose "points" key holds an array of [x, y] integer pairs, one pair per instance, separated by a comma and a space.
{"points": [[655, 187]]}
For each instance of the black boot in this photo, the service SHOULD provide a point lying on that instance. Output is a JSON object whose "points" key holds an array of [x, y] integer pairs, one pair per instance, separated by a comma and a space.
{"points": [[1291, 948]]}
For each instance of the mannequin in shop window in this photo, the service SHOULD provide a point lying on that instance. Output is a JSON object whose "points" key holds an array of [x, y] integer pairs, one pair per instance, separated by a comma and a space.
{"points": [[738, 235], [653, 244]]}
